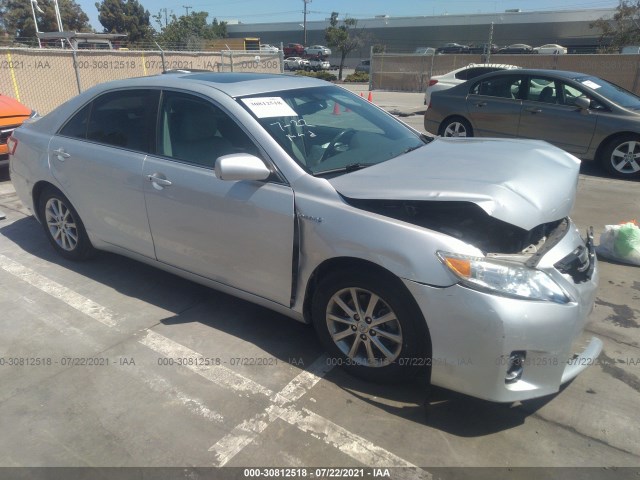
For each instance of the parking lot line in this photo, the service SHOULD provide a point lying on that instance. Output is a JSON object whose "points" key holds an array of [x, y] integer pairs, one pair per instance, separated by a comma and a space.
{"points": [[68, 296], [243, 434]]}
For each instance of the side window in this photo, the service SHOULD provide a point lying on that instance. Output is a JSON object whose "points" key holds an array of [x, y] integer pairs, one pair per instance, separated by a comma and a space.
{"points": [[570, 93], [76, 127], [196, 131], [125, 118], [542, 90], [476, 72], [507, 86]]}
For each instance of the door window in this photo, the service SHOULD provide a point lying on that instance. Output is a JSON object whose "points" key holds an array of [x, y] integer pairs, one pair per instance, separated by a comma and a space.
{"points": [[196, 131], [543, 90], [504, 86]]}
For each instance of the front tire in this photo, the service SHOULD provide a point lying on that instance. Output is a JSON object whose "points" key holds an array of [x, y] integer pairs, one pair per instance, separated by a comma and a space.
{"points": [[456, 127], [621, 157], [371, 326], [62, 225]]}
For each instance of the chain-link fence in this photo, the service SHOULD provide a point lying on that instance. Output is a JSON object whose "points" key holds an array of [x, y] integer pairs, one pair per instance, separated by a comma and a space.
{"points": [[411, 72], [43, 79]]}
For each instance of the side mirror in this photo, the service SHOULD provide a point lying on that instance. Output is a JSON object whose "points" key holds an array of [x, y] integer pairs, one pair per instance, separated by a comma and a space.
{"points": [[241, 166], [583, 103]]}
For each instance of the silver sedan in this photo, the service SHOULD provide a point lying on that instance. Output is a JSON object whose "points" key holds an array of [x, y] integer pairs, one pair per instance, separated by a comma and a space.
{"points": [[453, 259]]}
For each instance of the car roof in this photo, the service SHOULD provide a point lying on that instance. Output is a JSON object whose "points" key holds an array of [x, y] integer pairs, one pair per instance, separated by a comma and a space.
{"points": [[233, 84], [542, 71]]}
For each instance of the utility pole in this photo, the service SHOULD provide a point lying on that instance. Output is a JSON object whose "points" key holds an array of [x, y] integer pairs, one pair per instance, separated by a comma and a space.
{"points": [[304, 23], [488, 56], [166, 18], [187, 7]]}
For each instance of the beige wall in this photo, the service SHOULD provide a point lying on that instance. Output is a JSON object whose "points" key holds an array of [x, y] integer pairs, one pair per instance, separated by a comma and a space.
{"points": [[43, 79], [411, 73]]}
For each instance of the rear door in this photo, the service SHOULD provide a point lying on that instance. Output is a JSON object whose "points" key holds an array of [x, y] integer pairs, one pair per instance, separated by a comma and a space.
{"points": [[97, 157], [493, 105]]}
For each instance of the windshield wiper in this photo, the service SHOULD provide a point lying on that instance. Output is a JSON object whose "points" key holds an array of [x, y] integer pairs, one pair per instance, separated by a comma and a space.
{"points": [[352, 167]]}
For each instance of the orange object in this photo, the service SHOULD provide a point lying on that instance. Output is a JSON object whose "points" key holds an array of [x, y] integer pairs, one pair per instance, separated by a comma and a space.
{"points": [[362, 94], [336, 108], [12, 114], [370, 97]]}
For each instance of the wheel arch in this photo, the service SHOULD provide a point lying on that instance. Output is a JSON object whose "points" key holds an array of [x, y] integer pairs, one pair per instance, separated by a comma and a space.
{"points": [[607, 140], [337, 264], [452, 117], [36, 192]]}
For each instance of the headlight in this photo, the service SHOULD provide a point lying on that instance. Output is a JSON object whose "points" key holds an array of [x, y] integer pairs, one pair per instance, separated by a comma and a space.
{"points": [[503, 278]]}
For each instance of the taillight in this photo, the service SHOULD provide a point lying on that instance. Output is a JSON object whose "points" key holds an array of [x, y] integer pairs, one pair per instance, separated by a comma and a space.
{"points": [[432, 82], [12, 144]]}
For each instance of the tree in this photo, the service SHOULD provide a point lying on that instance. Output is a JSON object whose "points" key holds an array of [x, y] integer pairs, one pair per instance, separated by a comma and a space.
{"points": [[130, 17], [623, 29], [16, 17], [343, 38], [189, 32]]}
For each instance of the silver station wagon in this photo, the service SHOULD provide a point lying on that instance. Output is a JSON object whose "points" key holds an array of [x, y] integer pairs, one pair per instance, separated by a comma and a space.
{"points": [[454, 259]]}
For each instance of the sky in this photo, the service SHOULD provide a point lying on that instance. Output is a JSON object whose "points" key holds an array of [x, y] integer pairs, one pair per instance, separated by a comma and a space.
{"points": [[267, 11]]}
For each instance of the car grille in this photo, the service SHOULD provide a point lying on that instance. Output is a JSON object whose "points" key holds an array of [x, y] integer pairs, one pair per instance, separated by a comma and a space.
{"points": [[5, 133]]}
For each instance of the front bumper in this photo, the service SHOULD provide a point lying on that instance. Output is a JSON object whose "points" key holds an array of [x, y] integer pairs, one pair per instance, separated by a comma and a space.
{"points": [[474, 334]]}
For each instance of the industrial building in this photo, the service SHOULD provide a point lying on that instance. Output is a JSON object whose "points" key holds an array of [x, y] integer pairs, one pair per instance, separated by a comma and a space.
{"points": [[570, 28]]}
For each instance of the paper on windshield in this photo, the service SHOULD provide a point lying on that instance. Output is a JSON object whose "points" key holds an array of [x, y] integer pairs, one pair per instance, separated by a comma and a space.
{"points": [[590, 84], [267, 107]]}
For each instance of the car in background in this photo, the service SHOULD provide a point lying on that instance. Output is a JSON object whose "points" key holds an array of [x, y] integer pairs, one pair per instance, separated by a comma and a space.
{"points": [[550, 49], [378, 235], [516, 48], [364, 66], [483, 49], [293, 50], [296, 63], [269, 48], [461, 75], [317, 63], [425, 51], [453, 48], [317, 50], [585, 115], [12, 114], [630, 50]]}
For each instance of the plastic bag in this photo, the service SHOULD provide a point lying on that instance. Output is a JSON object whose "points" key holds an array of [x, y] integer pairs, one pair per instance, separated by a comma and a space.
{"points": [[621, 243]]}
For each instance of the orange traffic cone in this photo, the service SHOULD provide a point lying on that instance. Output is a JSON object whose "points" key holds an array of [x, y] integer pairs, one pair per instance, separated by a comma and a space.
{"points": [[370, 97], [362, 94], [336, 108]]}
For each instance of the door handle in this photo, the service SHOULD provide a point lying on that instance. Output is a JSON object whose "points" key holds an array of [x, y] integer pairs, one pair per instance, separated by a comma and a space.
{"points": [[61, 154], [533, 110], [481, 104], [163, 182]]}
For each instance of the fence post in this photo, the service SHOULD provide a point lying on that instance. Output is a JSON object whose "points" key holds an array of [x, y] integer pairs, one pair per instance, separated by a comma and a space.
{"points": [[370, 68], [75, 67], [231, 60], [164, 68]]}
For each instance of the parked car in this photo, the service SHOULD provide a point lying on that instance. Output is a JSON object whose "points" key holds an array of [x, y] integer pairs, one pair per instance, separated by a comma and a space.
{"points": [[399, 248], [425, 51], [550, 49], [453, 48], [269, 48], [296, 63], [582, 114], [317, 63], [516, 48], [293, 50], [461, 75], [317, 50], [364, 66], [483, 49], [12, 114], [630, 49]]}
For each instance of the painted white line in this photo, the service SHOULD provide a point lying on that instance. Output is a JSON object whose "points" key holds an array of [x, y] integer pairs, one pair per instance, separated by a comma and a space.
{"points": [[194, 405], [68, 296], [246, 432], [355, 446], [218, 374]]}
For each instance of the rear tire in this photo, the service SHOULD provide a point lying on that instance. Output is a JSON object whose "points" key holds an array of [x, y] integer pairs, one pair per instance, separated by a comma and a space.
{"points": [[62, 225], [455, 127], [371, 326], [621, 157]]}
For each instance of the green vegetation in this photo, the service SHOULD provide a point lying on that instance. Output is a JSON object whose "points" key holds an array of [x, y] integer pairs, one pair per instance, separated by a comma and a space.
{"points": [[322, 75], [357, 77]]}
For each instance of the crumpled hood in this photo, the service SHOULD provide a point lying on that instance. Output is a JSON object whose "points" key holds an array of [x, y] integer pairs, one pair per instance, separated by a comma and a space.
{"points": [[522, 182]]}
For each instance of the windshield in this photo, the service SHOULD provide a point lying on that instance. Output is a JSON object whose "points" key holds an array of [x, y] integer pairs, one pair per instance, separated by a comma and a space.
{"points": [[612, 92], [328, 129]]}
